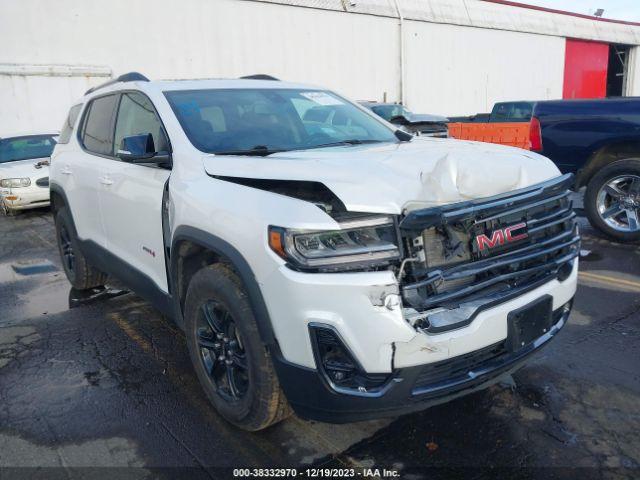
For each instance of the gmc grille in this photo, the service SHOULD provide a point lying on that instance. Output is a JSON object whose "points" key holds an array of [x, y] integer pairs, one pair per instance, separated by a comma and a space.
{"points": [[467, 256]]}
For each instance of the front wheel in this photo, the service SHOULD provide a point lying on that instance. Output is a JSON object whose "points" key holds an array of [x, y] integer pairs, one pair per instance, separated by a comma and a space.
{"points": [[232, 364], [612, 200]]}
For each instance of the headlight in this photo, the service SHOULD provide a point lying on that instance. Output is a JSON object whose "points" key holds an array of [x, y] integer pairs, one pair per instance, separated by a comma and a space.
{"points": [[360, 243], [15, 182]]}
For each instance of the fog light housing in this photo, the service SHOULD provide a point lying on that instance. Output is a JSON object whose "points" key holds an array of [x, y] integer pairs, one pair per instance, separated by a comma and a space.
{"points": [[338, 365], [565, 270]]}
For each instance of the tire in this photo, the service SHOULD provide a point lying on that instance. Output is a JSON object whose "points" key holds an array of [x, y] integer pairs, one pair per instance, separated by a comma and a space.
{"points": [[615, 188], [80, 273], [7, 211], [233, 366]]}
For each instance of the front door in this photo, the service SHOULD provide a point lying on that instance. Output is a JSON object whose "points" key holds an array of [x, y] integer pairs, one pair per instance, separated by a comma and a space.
{"points": [[131, 197]]}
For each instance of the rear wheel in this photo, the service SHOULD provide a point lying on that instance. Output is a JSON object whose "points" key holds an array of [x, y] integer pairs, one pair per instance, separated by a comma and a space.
{"points": [[80, 273], [232, 364], [612, 200]]}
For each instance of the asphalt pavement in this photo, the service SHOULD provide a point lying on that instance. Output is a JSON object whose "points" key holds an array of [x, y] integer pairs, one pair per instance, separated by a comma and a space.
{"points": [[104, 387]]}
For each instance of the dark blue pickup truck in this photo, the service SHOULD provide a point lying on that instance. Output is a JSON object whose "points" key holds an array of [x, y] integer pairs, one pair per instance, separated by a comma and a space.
{"points": [[599, 141]]}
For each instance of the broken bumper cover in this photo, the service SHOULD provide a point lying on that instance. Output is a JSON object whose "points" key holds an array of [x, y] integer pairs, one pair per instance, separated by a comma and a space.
{"points": [[408, 389]]}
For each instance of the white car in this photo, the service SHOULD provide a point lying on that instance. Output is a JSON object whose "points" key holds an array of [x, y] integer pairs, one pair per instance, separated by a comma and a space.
{"points": [[24, 170], [347, 270]]}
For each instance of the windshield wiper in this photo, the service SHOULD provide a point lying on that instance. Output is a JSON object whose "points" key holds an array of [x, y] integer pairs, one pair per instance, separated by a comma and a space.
{"points": [[258, 151], [352, 141]]}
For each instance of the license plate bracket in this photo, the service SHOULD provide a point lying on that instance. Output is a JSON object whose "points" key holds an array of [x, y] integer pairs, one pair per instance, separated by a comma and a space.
{"points": [[529, 322]]}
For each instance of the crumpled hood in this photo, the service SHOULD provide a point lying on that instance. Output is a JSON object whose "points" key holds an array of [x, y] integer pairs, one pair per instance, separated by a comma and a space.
{"points": [[390, 178], [24, 169]]}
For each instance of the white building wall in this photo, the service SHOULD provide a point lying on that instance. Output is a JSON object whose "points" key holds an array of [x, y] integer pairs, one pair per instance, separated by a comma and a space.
{"points": [[353, 54], [37, 99], [633, 73], [454, 70], [453, 66]]}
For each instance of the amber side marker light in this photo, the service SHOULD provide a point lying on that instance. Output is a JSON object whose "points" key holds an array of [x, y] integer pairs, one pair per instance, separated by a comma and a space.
{"points": [[11, 197], [276, 242]]}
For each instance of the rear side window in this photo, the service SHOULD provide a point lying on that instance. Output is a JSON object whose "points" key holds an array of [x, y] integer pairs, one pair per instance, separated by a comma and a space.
{"points": [[512, 112], [97, 134], [67, 128]]}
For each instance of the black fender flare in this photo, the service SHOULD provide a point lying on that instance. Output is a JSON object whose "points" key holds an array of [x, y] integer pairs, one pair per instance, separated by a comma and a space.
{"points": [[224, 249], [55, 188]]}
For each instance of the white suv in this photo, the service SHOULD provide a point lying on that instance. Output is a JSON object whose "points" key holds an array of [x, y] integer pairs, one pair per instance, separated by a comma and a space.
{"points": [[345, 269]]}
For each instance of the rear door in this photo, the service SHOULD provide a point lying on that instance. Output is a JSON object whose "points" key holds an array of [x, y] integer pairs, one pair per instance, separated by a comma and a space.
{"points": [[131, 196], [80, 171]]}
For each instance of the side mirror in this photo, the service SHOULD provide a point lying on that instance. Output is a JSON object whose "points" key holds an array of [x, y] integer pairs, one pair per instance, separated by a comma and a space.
{"points": [[141, 149]]}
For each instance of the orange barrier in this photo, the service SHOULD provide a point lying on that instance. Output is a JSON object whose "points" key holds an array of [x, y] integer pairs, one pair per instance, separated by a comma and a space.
{"points": [[515, 134]]}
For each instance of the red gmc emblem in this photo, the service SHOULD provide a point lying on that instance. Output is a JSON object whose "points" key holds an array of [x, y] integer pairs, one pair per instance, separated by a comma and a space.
{"points": [[502, 236]]}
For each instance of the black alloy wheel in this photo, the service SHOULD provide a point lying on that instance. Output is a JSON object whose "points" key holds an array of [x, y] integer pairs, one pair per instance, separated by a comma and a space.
{"points": [[222, 352]]}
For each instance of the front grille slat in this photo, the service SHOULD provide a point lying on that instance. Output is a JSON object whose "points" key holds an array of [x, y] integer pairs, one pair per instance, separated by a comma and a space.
{"points": [[526, 206], [550, 267], [512, 260], [552, 243], [511, 254]]}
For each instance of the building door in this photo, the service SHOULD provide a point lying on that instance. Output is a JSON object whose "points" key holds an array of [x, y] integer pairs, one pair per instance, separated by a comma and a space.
{"points": [[585, 69]]}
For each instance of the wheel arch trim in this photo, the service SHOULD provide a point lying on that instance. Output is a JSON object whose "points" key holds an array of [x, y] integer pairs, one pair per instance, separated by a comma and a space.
{"points": [[223, 249]]}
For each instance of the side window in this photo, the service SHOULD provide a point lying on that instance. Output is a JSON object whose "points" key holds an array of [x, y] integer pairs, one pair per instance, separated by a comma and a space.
{"points": [[97, 136], [136, 116], [67, 128]]}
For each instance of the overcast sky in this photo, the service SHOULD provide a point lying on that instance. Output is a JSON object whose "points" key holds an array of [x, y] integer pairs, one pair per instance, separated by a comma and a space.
{"points": [[618, 9]]}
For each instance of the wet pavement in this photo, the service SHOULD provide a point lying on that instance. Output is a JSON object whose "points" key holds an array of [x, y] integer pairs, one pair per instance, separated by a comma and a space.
{"points": [[107, 382]]}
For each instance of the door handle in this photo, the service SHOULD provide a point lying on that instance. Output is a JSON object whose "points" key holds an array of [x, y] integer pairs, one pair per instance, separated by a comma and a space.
{"points": [[106, 180], [66, 170]]}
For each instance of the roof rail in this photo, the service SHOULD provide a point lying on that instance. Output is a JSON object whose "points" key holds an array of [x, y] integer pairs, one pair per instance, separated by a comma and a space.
{"points": [[127, 77], [259, 76]]}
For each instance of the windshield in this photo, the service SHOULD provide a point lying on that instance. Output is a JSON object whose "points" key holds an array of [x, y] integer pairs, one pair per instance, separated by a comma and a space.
{"points": [[390, 111], [236, 121], [27, 147]]}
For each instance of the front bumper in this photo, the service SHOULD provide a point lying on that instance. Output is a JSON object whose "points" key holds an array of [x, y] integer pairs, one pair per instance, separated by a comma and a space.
{"points": [[383, 342], [25, 198], [409, 389]]}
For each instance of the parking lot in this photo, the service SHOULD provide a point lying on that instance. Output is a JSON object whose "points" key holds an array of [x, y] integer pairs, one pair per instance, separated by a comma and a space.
{"points": [[107, 381]]}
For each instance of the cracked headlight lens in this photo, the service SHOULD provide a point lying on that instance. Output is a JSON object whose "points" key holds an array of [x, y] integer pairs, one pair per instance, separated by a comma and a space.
{"points": [[359, 243], [15, 182]]}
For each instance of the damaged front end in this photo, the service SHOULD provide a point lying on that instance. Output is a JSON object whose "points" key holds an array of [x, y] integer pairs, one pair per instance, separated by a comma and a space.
{"points": [[464, 258]]}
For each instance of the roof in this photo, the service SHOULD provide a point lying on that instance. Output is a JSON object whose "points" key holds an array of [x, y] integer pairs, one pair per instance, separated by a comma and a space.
{"points": [[229, 83], [490, 14], [562, 12], [198, 84]]}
